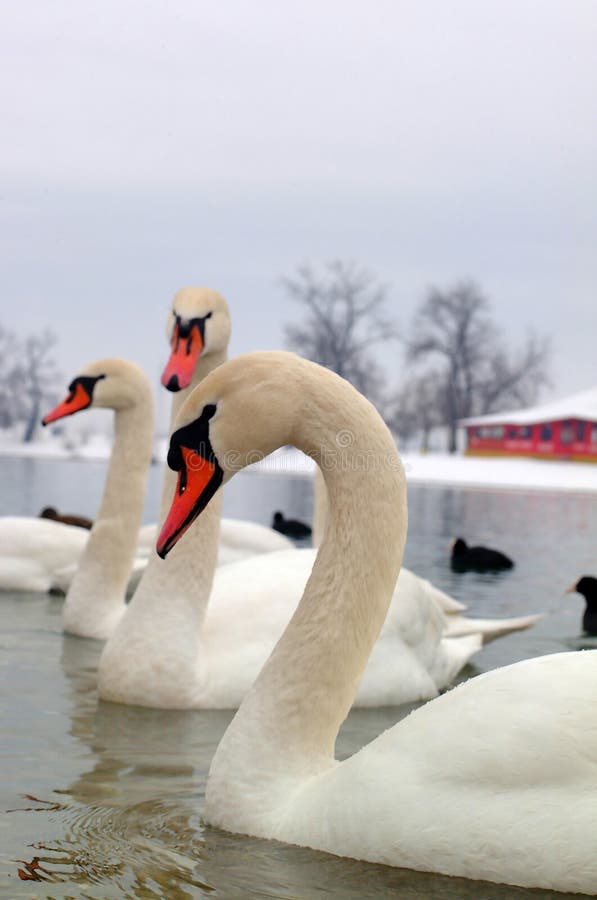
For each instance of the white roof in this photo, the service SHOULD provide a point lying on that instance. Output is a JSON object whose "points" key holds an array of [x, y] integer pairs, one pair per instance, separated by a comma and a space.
{"points": [[577, 406]]}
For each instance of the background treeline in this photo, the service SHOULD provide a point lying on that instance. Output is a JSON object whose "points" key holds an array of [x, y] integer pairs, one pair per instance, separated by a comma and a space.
{"points": [[451, 361], [29, 379]]}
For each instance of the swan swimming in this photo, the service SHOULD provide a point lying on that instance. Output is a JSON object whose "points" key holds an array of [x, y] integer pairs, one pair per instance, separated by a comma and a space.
{"points": [[494, 780]]}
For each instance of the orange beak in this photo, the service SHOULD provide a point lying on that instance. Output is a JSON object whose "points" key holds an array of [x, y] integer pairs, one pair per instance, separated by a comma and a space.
{"points": [[186, 350], [78, 399], [198, 480]]}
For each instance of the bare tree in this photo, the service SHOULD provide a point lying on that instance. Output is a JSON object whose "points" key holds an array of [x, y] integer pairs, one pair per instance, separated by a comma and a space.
{"points": [[36, 376], [417, 408], [345, 319], [514, 381], [479, 374], [9, 401]]}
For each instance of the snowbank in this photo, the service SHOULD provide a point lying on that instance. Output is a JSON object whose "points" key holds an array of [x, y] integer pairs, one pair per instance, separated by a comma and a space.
{"points": [[431, 468], [500, 472], [444, 469]]}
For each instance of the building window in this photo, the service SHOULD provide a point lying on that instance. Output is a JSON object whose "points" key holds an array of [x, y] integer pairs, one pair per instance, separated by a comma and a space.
{"points": [[567, 432], [580, 431], [512, 432], [594, 433], [526, 432], [546, 432]]}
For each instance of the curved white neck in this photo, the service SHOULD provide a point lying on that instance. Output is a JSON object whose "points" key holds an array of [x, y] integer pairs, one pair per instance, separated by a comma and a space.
{"points": [[290, 719], [320, 508], [178, 587], [96, 594]]}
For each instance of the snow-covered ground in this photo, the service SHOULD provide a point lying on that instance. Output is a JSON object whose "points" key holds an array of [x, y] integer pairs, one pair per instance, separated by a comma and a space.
{"points": [[431, 468], [444, 469], [98, 447]]}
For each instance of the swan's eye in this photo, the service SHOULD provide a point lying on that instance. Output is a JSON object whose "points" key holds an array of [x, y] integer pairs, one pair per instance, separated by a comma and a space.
{"points": [[182, 480], [183, 330], [86, 382]]}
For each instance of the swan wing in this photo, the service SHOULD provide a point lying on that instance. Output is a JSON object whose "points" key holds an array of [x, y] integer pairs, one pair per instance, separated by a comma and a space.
{"points": [[496, 780]]}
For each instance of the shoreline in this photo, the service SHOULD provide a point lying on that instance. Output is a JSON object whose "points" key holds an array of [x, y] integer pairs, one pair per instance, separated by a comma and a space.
{"points": [[431, 469]]}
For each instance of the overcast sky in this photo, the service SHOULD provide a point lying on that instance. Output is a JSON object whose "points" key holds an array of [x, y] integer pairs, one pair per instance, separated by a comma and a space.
{"points": [[148, 145]]}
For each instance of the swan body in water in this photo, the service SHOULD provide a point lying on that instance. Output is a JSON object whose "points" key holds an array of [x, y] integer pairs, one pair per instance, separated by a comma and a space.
{"points": [[494, 780]]}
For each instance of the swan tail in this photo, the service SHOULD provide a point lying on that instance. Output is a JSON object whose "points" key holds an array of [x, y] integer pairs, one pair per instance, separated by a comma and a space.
{"points": [[453, 654], [489, 629]]}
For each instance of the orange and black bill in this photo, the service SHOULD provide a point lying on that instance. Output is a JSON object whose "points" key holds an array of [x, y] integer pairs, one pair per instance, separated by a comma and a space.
{"points": [[199, 477], [188, 340], [80, 397]]}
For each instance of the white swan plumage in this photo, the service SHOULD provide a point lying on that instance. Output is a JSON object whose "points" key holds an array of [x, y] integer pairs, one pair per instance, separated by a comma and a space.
{"points": [[95, 598], [183, 653], [495, 780], [34, 552]]}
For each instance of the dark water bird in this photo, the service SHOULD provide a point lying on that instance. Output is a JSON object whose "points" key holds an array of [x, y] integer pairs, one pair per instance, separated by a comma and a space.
{"points": [[587, 587], [49, 512], [478, 559], [290, 527]]}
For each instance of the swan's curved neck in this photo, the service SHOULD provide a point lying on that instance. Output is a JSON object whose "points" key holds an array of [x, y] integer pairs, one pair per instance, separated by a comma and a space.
{"points": [[179, 586], [292, 714], [320, 508], [97, 591]]}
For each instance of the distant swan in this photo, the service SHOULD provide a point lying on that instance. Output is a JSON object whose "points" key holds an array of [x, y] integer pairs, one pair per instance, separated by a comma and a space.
{"points": [[495, 780]]}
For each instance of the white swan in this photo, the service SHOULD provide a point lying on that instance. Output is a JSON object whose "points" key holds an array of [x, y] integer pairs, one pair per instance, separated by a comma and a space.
{"points": [[198, 331], [170, 650], [495, 780], [39, 554], [96, 596]]}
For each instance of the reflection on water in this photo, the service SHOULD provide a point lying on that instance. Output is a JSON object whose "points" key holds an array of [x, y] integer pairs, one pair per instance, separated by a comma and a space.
{"points": [[116, 793]]}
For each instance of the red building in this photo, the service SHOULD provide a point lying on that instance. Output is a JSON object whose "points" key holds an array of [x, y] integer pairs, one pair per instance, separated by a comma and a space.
{"points": [[564, 429]]}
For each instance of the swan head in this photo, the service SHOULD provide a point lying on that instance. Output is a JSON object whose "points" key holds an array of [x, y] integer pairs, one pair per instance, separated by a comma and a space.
{"points": [[240, 412], [110, 383], [198, 324]]}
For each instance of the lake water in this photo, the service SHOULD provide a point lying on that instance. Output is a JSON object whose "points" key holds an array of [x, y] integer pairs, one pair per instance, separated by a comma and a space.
{"points": [[103, 801]]}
